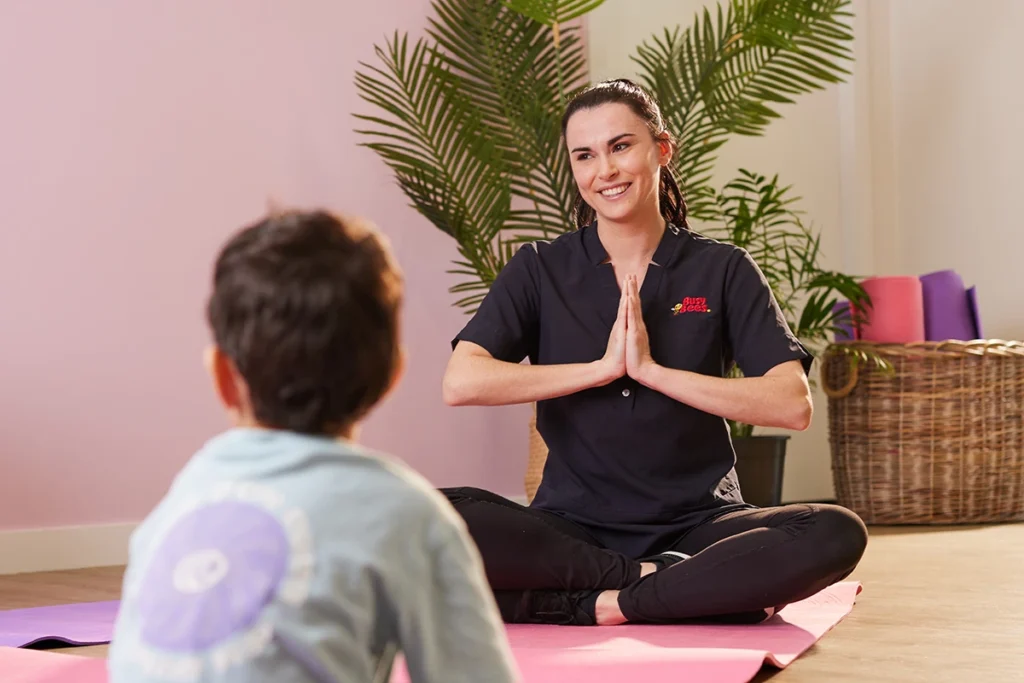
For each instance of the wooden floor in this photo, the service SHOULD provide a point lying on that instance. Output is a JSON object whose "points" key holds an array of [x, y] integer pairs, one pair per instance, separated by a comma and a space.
{"points": [[943, 604]]}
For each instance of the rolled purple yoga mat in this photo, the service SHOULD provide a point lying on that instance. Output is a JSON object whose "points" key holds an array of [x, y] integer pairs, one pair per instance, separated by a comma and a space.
{"points": [[947, 310], [843, 321], [972, 301]]}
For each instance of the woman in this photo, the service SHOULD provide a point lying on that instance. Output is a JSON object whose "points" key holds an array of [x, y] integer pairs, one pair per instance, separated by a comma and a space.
{"points": [[630, 324]]}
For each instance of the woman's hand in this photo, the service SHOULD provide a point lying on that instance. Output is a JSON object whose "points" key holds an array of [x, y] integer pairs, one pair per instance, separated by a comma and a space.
{"points": [[614, 360], [629, 349], [638, 345]]}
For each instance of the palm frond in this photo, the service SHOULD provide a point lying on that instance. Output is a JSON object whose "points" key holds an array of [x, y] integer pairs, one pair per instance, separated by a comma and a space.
{"points": [[469, 122], [518, 76], [551, 12], [728, 72], [785, 48], [436, 144]]}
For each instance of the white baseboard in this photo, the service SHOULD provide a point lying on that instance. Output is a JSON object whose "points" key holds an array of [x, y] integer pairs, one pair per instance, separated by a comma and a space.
{"points": [[71, 547], [74, 547]]}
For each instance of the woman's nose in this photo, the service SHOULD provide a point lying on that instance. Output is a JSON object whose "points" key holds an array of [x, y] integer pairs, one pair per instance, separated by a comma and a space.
{"points": [[607, 168]]}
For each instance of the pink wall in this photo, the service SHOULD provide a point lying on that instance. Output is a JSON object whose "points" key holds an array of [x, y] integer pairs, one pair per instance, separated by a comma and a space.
{"points": [[135, 137]]}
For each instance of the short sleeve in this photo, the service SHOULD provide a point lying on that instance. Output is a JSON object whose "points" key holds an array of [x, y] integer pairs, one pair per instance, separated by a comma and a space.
{"points": [[758, 336], [507, 321]]}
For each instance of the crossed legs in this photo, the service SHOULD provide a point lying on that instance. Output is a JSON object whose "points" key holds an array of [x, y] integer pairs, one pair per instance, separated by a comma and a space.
{"points": [[544, 569]]}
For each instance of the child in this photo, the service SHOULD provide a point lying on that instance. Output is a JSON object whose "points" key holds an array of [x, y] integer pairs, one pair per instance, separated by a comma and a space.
{"points": [[283, 551]]}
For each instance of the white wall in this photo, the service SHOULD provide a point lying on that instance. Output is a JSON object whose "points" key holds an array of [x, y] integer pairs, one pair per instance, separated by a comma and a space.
{"points": [[957, 97], [908, 167]]}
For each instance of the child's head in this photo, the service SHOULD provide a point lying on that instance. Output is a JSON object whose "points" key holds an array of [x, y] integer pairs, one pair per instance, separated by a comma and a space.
{"points": [[304, 314]]}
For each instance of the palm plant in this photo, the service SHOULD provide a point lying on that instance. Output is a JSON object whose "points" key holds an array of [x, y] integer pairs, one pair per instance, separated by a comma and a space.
{"points": [[469, 121]]}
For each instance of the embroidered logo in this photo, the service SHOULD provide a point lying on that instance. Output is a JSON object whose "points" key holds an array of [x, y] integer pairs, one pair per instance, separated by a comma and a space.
{"points": [[692, 304]]}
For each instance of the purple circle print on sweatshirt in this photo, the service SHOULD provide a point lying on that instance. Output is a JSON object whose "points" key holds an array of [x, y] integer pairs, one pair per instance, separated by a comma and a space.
{"points": [[211, 576]]}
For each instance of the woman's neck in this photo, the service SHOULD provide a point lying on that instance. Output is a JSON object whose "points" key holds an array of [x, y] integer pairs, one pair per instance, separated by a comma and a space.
{"points": [[632, 243]]}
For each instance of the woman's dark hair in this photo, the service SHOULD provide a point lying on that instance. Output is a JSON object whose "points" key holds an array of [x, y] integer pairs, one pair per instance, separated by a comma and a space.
{"points": [[307, 308], [624, 91]]}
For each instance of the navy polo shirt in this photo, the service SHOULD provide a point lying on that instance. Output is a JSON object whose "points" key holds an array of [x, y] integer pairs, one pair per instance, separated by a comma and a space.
{"points": [[633, 466]]}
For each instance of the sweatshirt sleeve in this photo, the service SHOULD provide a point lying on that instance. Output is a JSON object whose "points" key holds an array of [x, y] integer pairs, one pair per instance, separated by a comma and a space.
{"points": [[453, 632]]}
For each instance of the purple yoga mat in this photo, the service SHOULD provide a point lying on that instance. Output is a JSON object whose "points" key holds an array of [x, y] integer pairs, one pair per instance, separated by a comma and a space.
{"points": [[947, 310], [843, 321], [83, 623], [972, 301]]}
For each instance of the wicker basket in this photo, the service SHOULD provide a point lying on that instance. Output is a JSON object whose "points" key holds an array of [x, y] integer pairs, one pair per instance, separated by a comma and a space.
{"points": [[938, 441]]}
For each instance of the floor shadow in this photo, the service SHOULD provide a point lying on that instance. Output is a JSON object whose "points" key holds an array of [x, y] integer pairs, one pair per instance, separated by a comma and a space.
{"points": [[51, 644], [767, 673]]}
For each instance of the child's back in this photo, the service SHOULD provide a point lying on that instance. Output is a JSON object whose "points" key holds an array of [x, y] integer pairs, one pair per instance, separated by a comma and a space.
{"points": [[302, 559], [293, 554]]}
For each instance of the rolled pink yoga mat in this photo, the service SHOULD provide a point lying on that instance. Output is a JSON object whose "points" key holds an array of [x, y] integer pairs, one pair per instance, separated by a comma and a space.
{"points": [[948, 311], [897, 310]]}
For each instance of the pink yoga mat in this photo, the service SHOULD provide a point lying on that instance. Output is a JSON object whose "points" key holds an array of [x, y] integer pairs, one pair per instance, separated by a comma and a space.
{"points": [[694, 654], [555, 654], [84, 623], [18, 665], [897, 310], [947, 307]]}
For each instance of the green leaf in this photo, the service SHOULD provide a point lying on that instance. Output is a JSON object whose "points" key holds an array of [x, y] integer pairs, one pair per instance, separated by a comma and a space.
{"points": [[550, 12], [436, 143], [727, 73], [761, 215]]}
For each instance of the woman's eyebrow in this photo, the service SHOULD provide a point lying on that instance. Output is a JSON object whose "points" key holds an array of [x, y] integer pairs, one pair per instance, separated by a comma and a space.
{"points": [[610, 142]]}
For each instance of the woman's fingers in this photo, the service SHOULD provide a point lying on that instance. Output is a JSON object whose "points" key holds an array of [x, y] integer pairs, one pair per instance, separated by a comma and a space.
{"points": [[634, 301], [630, 306]]}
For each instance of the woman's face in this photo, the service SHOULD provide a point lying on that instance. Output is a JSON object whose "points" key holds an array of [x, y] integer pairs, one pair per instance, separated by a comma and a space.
{"points": [[615, 161]]}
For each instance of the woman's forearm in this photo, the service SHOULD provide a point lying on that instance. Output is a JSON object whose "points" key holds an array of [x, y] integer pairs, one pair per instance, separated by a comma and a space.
{"points": [[769, 401], [483, 381]]}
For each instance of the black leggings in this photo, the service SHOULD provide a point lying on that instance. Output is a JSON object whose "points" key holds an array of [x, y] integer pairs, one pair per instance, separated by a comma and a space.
{"points": [[743, 561]]}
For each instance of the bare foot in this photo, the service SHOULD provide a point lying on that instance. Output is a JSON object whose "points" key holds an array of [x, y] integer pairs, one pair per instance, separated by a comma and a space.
{"points": [[647, 568], [607, 609]]}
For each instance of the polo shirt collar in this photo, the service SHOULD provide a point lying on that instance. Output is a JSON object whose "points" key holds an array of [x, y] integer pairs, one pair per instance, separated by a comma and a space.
{"points": [[671, 240]]}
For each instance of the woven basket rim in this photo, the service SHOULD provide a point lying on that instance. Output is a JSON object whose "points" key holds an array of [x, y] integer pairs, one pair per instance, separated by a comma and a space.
{"points": [[951, 347]]}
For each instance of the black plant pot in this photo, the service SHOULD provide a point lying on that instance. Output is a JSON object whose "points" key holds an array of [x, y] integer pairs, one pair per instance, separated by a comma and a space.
{"points": [[759, 462]]}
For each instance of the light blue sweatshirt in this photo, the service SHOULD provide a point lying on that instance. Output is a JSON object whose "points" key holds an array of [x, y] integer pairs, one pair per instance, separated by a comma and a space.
{"points": [[290, 558]]}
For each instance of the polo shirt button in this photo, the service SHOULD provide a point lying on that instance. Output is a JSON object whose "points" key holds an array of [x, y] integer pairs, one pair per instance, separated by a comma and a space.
{"points": [[625, 392]]}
